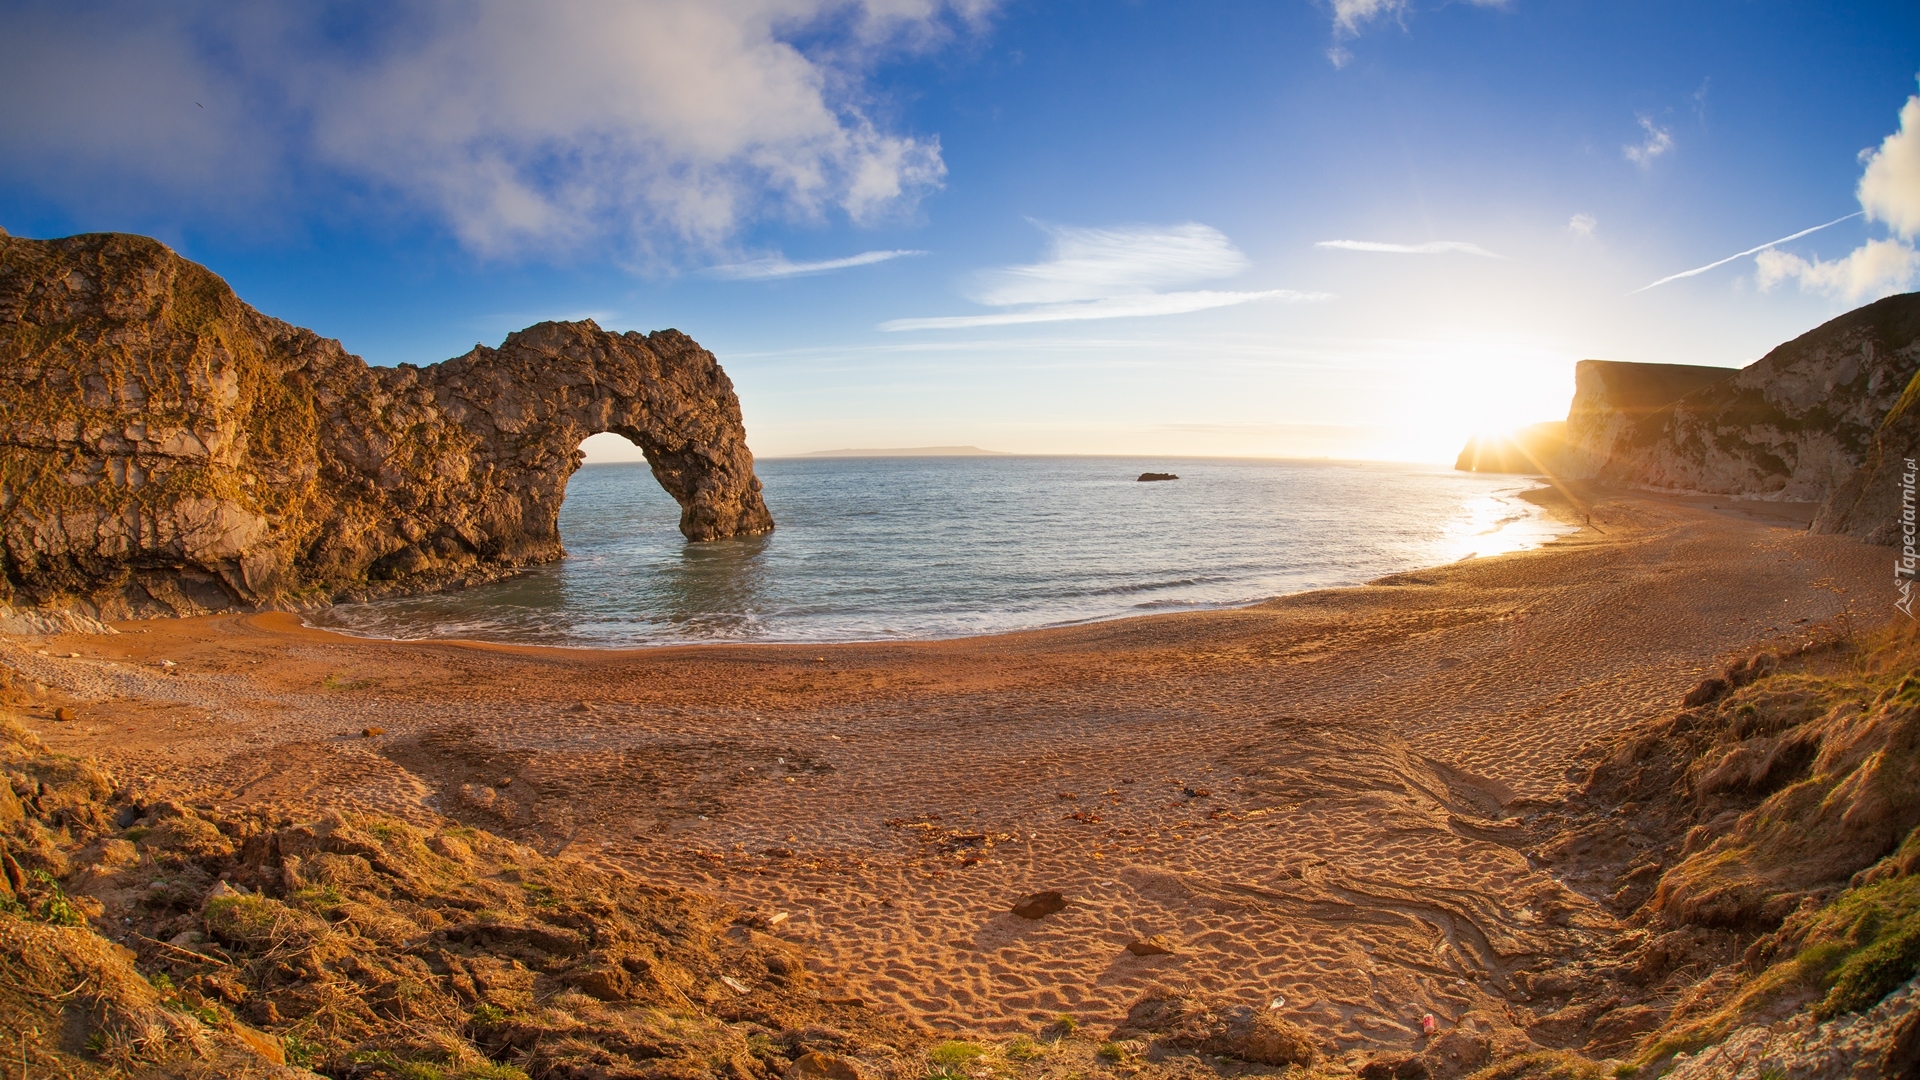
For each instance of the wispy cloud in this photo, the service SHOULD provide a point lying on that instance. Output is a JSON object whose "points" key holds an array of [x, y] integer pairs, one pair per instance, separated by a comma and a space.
{"points": [[779, 266], [1699, 99], [1112, 273], [1658, 142], [1350, 17], [1583, 225], [1750, 251], [1119, 307], [1435, 247]]}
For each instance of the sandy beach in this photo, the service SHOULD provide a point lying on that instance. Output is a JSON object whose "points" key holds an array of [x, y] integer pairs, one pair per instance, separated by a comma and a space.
{"points": [[1318, 800]]}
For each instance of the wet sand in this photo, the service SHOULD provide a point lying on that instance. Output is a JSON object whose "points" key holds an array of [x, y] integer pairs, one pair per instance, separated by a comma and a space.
{"points": [[1315, 800]]}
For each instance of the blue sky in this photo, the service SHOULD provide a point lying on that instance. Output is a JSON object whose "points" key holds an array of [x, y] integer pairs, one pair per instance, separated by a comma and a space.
{"points": [[1357, 228]]}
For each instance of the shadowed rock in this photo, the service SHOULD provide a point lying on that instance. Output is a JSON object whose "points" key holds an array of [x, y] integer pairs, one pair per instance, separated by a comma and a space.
{"points": [[166, 448], [1040, 904], [1536, 449]]}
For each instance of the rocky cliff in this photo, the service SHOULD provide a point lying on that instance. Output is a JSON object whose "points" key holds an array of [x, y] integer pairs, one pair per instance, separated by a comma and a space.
{"points": [[1795, 424], [1612, 399], [166, 448], [1876, 503]]}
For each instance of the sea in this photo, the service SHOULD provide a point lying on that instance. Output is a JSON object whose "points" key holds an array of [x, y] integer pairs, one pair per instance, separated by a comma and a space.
{"points": [[896, 548]]}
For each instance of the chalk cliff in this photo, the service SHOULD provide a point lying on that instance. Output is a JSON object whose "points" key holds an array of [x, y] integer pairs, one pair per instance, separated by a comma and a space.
{"points": [[1794, 425], [1873, 503], [1611, 400], [166, 448], [1831, 417]]}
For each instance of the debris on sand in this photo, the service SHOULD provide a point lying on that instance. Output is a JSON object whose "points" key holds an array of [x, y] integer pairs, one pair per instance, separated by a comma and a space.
{"points": [[1040, 905], [1153, 945]]}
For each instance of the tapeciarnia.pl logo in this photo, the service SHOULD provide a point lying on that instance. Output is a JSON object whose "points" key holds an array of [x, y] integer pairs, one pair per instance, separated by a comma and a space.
{"points": [[1903, 567]]}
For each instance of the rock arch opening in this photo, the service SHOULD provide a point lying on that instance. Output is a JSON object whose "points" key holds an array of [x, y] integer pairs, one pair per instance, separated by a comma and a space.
{"points": [[277, 468]]}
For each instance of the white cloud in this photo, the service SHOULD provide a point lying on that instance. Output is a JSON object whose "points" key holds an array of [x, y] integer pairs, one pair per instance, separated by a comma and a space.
{"points": [[1889, 192], [1350, 17], [1658, 142], [664, 123], [1436, 247], [779, 266], [1890, 188], [1110, 273], [1875, 269], [1583, 225]]}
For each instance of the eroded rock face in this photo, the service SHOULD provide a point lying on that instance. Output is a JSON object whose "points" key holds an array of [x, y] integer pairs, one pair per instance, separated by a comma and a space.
{"points": [[1875, 504], [1611, 400], [166, 448], [1797, 424]]}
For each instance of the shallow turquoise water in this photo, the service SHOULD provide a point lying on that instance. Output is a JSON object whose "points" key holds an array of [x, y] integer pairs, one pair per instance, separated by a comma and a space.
{"points": [[885, 548]]}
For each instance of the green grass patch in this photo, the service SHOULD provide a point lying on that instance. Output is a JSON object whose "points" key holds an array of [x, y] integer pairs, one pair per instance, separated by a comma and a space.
{"points": [[320, 899], [1863, 945], [301, 1054], [952, 1058], [1021, 1048], [55, 907]]}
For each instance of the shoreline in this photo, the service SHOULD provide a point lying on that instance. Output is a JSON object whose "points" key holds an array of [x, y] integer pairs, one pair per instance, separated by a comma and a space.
{"points": [[1240, 781]]}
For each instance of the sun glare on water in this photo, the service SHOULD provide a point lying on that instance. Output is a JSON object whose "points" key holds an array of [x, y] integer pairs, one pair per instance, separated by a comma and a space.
{"points": [[1498, 523]]}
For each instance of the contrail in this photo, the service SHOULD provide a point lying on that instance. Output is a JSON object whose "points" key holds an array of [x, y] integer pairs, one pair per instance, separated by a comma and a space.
{"points": [[1744, 254]]}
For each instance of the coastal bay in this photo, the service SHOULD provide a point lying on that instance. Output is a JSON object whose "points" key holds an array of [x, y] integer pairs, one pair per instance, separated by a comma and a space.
{"points": [[1323, 799]]}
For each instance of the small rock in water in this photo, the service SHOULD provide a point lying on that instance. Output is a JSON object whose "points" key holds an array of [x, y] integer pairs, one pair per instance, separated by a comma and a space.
{"points": [[1147, 477], [1040, 904], [1155, 945], [371, 732]]}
